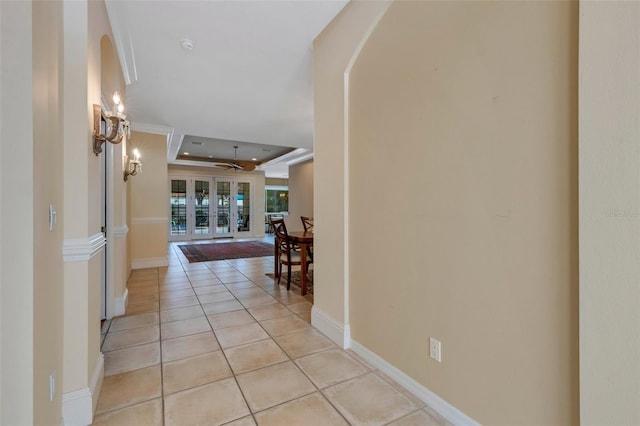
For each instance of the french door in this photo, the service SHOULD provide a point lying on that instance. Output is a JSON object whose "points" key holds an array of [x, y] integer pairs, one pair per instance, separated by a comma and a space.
{"points": [[209, 207]]}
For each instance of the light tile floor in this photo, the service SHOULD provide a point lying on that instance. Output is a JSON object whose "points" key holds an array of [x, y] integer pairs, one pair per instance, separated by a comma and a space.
{"points": [[220, 343]]}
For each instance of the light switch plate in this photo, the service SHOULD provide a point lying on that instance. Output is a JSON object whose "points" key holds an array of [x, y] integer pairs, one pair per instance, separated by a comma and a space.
{"points": [[52, 217], [435, 349]]}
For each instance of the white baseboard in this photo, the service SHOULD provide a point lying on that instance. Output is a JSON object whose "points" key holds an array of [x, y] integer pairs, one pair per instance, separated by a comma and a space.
{"points": [[338, 332], [78, 406], [150, 262], [437, 404], [120, 304], [95, 386]]}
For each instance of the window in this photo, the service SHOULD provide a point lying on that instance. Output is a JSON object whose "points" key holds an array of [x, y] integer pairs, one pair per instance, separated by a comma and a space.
{"points": [[276, 199]]}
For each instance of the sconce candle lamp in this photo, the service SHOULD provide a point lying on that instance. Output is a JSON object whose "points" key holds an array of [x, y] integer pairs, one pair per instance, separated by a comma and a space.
{"points": [[134, 165], [116, 124]]}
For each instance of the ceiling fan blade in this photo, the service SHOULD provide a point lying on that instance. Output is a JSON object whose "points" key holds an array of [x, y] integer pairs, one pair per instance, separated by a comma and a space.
{"points": [[247, 166], [223, 165]]}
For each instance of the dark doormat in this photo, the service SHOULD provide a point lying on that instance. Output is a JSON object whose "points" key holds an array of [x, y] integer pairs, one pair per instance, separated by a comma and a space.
{"points": [[222, 251]]}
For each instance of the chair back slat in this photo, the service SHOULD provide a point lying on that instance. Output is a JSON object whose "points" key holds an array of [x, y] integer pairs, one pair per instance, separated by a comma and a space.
{"points": [[282, 237], [307, 222]]}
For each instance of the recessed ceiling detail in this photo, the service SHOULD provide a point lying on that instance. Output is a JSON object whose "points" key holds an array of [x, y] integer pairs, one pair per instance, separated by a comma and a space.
{"points": [[221, 150]]}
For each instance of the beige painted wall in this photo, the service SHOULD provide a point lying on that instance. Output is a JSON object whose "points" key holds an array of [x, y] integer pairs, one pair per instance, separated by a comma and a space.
{"points": [[258, 188], [77, 181], [300, 194], [332, 51], [47, 189], [276, 181], [148, 198], [85, 24], [471, 237], [609, 213], [16, 225]]}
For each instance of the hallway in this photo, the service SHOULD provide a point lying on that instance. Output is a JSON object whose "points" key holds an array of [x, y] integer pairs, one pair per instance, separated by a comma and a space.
{"points": [[219, 343]]}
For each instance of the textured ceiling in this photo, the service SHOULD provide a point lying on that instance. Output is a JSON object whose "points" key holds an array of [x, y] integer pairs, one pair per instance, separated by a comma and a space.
{"points": [[248, 78]]}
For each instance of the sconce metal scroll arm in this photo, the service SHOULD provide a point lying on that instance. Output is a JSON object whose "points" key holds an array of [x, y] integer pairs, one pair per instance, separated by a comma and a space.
{"points": [[116, 128]]}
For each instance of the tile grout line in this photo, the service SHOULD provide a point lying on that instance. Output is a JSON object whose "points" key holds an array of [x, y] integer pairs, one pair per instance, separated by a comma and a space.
{"points": [[245, 308], [160, 352], [215, 336], [235, 376], [292, 360], [270, 337], [288, 357]]}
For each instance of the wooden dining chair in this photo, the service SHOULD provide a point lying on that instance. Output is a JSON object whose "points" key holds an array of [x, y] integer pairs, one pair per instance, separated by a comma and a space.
{"points": [[273, 223], [287, 255], [271, 218], [307, 222]]}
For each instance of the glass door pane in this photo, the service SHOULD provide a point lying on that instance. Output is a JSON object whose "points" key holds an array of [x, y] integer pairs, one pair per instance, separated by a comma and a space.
{"points": [[202, 214], [243, 205], [178, 202], [223, 214]]}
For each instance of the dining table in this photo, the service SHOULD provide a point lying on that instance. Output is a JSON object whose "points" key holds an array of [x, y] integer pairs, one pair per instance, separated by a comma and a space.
{"points": [[304, 240]]}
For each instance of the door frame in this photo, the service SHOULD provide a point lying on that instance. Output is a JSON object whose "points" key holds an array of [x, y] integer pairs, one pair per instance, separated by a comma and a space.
{"points": [[191, 209], [249, 233], [213, 179], [231, 217], [107, 264]]}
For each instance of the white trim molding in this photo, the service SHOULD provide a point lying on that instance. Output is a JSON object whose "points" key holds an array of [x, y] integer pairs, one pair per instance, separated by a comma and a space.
{"points": [[120, 303], [149, 220], [82, 249], [150, 262], [437, 404], [78, 406], [155, 129], [335, 330], [96, 382], [120, 231]]}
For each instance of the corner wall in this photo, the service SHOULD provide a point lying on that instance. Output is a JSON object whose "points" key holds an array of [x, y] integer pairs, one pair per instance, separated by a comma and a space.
{"points": [[609, 213], [333, 50], [85, 24], [16, 225], [471, 238], [148, 202], [48, 190], [300, 194]]}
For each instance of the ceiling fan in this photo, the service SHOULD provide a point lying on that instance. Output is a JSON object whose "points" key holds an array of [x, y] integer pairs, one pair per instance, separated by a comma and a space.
{"points": [[246, 166]]}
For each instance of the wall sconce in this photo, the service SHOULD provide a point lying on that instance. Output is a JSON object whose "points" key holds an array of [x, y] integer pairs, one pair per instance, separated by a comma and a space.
{"points": [[134, 166], [116, 125]]}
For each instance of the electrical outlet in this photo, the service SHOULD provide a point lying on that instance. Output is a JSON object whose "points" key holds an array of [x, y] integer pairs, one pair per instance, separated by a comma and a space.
{"points": [[435, 349]]}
